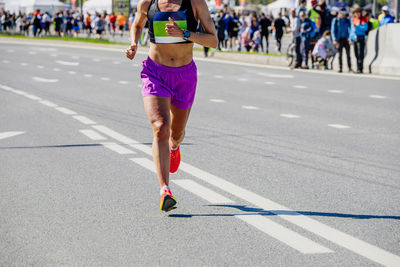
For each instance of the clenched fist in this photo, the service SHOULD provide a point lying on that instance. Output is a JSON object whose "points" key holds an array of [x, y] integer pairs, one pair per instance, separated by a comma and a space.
{"points": [[131, 51]]}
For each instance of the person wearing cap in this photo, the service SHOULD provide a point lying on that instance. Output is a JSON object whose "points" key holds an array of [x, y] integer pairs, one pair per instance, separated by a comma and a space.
{"points": [[341, 26], [358, 32], [385, 17]]}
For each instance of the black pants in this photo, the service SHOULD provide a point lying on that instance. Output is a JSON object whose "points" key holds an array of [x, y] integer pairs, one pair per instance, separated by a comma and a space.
{"points": [[264, 35], [278, 38], [297, 41], [344, 43], [305, 47], [359, 48]]}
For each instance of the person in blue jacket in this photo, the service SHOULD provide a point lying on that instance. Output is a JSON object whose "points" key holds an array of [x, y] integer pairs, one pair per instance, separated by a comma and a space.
{"points": [[305, 35], [386, 18], [341, 26], [358, 33]]}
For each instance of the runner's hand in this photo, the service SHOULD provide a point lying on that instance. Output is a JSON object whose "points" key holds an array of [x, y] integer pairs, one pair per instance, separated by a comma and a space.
{"points": [[131, 51], [173, 29]]}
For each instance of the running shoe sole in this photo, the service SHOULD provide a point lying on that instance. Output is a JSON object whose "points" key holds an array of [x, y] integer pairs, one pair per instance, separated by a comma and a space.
{"points": [[168, 204]]}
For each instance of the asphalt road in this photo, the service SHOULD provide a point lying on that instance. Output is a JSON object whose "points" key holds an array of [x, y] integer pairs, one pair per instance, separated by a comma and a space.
{"points": [[280, 167]]}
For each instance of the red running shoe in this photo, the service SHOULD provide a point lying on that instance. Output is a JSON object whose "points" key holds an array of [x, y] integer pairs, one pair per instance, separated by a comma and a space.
{"points": [[175, 159], [167, 202]]}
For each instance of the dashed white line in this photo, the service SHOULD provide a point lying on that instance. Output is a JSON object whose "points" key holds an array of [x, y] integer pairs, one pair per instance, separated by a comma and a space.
{"points": [[5, 87], [118, 148], [44, 80], [32, 53], [96, 59], [202, 191], [105, 78], [48, 103], [250, 107], [269, 83], [72, 72], [242, 79], [67, 63], [117, 62], [338, 126], [53, 55], [75, 57], [5, 135], [300, 86], [10, 50], [335, 91], [144, 162], [283, 234], [93, 135], [288, 76], [66, 111], [24, 64], [56, 69], [123, 82], [40, 67], [217, 100], [33, 97], [84, 119], [88, 75], [290, 116], [218, 76], [19, 92], [377, 96], [6, 61]]}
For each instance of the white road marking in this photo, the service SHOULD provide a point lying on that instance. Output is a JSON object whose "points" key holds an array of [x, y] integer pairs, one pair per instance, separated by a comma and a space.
{"points": [[270, 83], [19, 92], [123, 139], [67, 63], [342, 239], [105, 78], [96, 59], [75, 57], [44, 49], [289, 76], [218, 76], [283, 234], [144, 162], [118, 148], [377, 96], [56, 69], [66, 111], [40, 67], [250, 107], [335, 91], [242, 79], [300, 86], [32, 53], [48, 103], [5, 135], [123, 82], [10, 50], [338, 126], [6, 61], [290, 116], [217, 100], [93, 134], [53, 55], [24, 64], [7, 88], [117, 62], [135, 65], [139, 85], [84, 119], [33, 97], [44, 80], [88, 75], [72, 72], [202, 191]]}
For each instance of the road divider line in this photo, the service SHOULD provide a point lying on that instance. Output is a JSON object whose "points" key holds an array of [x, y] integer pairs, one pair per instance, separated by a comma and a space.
{"points": [[202, 191], [67, 63], [7, 88], [44, 80], [300, 86], [48, 103], [217, 100], [19, 92], [144, 162], [339, 126], [283, 234], [83, 119], [117, 148], [93, 135], [335, 91], [290, 116], [269, 83], [250, 107], [66, 111], [5, 135], [377, 96], [33, 97]]}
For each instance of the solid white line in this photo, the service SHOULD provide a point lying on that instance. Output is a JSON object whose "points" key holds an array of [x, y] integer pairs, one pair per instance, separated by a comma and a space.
{"points": [[250, 107], [338, 126], [83, 119], [202, 191], [67, 63], [123, 82], [118, 148], [93, 134], [33, 97], [353, 244], [66, 111], [290, 116], [300, 86], [335, 91], [123, 139], [377, 96], [44, 80], [270, 83], [48, 103], [283, 234], [217, 100], [144, 162], [5, 135]]}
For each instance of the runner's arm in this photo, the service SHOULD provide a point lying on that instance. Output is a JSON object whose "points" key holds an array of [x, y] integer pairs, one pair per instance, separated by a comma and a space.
{"points": [[137, 26]]}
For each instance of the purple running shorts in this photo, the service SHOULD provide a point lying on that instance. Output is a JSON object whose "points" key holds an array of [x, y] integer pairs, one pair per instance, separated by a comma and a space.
{"points": [[177, 83]]}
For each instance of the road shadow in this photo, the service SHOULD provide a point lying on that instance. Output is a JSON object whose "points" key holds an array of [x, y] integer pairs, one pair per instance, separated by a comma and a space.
{"points": [[245, 210]]}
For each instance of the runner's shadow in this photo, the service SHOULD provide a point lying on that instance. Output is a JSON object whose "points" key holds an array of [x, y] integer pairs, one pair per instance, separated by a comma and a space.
{"points": [[257, 211]]}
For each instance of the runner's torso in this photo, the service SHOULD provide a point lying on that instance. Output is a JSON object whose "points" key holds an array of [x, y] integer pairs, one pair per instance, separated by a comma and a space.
{"points": [[166, 50]]}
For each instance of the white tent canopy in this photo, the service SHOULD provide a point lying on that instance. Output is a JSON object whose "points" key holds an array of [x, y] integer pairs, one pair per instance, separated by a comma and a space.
{"points": [[278, 5], [28, 6], [92, 6]]}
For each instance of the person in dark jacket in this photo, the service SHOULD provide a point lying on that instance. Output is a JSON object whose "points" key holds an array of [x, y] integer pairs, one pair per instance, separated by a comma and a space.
{"points": [[220, 30], [341, 26], [305, 30], [265, 23]]}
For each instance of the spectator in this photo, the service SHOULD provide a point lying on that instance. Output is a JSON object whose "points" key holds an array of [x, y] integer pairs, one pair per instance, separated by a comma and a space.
{"points": [[99, 25], [57, 23], [277, 27], [295, 29], [302, 6], [245, 38], [385, 17], [265, 23], [46, 20], [121, 20], [257, 40], [305, 31], [88, 24], [233, 29], [220, 30], [358, 33], [37, 27], [341, 26], [68, 24], [324, 49], [113, 19]]}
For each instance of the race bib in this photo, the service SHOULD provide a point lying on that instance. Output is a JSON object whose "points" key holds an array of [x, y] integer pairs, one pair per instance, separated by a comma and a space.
{"points": [[160, 19]]}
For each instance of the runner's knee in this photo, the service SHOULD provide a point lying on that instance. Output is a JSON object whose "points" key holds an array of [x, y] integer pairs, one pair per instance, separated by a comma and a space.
{"points": [[161, 129]]}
